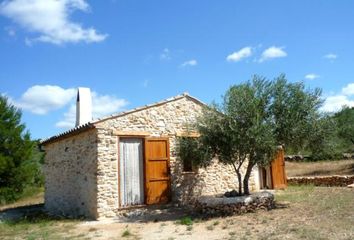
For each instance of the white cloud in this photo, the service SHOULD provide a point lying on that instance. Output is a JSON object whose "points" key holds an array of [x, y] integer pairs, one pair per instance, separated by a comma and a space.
{"points": [[272, 52], [102, 105], [336, 102], [330, 56], [41, 99], [165, 55], [69, 118], [191, 63], [349, 89], [312, 76], [240, 54], [50, 19]]}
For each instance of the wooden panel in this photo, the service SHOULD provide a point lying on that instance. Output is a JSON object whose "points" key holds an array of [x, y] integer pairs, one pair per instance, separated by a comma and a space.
{"points": [[187, 134], [157, 170], [278, 171], [131, 133]]}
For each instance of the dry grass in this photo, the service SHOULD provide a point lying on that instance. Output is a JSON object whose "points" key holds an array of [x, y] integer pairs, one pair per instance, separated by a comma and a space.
{"points": [[322, 168], [37, 198], [39, 227], [304, 212]]}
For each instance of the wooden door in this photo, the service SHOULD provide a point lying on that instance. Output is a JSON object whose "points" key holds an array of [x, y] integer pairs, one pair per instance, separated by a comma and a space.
{"points": [[157, 170], [278, 171]]}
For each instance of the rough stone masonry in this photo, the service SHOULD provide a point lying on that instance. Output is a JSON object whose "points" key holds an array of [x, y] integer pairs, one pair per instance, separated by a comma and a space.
{"points": [[81, 165]]}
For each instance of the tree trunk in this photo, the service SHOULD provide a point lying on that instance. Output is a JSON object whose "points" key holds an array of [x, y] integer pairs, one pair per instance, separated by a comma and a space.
{"points": [[246, 178], [239, 179]]}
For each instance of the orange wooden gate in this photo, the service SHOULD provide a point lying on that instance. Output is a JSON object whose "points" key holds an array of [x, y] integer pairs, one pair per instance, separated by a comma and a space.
{"points": [[278, 171], [157, 170]]}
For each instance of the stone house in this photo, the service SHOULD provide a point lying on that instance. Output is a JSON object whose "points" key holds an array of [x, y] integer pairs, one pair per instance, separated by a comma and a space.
{"points": [[128, 159]]}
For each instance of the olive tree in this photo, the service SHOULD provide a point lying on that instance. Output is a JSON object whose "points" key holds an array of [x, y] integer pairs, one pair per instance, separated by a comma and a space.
{"points": [[252, 120]]}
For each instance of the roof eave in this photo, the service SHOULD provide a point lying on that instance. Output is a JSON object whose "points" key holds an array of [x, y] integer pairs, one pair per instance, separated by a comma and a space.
{"points": [[71, 132], [92, 124]]}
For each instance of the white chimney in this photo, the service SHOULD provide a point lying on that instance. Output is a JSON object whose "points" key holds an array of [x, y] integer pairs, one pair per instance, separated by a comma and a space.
{"points": [[83, 106]]}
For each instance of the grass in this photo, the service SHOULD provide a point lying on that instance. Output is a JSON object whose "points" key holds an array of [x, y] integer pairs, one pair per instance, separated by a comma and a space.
{"points": [[126, 233], [36, 227], [185, 221], [216, 223], [30, 196], [321, 168], [295, 194]]}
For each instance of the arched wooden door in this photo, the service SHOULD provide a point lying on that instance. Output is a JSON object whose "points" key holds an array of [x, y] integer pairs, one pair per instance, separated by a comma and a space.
{"points": [[157, 170]]}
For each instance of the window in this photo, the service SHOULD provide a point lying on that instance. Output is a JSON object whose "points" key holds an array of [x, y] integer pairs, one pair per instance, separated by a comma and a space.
{"points": [[188, 152], [187, 165]]}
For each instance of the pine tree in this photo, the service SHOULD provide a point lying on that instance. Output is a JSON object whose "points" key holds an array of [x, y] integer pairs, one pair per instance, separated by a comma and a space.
{"points": [[16, 168]]}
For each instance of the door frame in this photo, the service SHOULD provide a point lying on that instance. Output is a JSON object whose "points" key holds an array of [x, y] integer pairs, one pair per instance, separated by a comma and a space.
{"points": [[144, 139]]}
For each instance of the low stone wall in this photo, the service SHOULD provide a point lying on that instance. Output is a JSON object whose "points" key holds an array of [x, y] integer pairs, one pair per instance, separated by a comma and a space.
{"points": [[212, 206], [328, 181]]}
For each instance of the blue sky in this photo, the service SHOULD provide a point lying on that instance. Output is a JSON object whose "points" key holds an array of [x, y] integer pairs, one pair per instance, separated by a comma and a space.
{"points": [[131, 53]]}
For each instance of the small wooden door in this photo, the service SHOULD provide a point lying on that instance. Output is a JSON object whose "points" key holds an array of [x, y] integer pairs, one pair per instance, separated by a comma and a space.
{"points": [[278, 171], [157, 170]]}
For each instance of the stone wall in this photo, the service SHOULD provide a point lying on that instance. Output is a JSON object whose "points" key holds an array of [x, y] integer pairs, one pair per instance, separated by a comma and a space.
{"points": [[326, 181], [214, 179], [212, 206], [107, 173], [70, 176], [162, 120], [82, 170]]}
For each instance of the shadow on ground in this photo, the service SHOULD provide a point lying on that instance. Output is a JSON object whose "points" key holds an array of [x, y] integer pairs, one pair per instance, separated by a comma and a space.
{"points": [[155, 213], [20, 213]]}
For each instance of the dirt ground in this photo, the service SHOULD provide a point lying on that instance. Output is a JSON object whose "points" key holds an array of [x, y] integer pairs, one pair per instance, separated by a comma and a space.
{"points": [[321, 168], [303, 212]]}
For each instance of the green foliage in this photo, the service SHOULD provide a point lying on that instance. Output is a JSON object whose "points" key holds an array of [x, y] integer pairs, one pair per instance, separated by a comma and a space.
{"points": [[252, 120], [18, 166], [240, 123], [323, 143], [192, 152], [126, 233], [186, 221], [332, 136], [295, 112], [345, 127]]}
